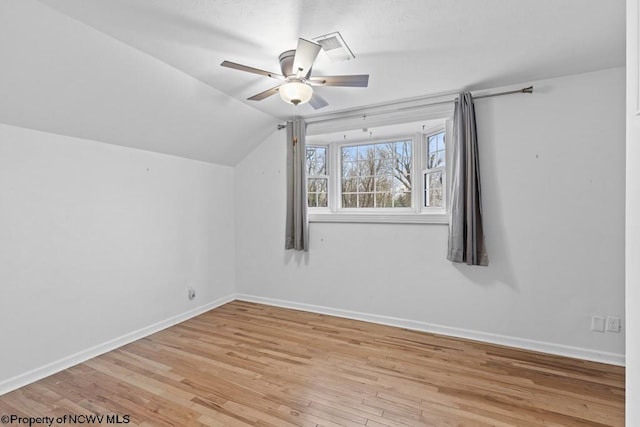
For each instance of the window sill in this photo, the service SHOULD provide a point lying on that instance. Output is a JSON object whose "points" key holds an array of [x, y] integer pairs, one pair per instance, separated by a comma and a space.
{"points": [[383, 218]]}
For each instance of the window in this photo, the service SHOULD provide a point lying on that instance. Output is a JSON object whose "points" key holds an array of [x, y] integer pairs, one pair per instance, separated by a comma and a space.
{"points": [[317, 179], [434, 174], [376, 175], [385, 179]]}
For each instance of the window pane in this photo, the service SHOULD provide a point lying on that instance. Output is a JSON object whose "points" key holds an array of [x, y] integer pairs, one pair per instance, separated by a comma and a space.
{"points": [[321, 159], [431, 162], [404, 150], [436, 151], [436, 142], [384, 183], [316, 160], [349, 169], [317, 185], [349, 154], [320, 166], [436, 198], [436, 159], [366, 167], [384, 200], [365, 184], [401, 184], [403, 163], [386, 166], [322, 200], [321, 185], [349, 200], [433, 144], [384, 151], [402, 175], [402, 200], [366, 200], [349, 185], [366, 152], [433, 189], [317, 192]]}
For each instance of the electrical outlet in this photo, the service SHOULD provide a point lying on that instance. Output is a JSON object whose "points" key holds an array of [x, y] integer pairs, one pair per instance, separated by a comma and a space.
{"points": [[597, 323], [192, 293], [613, 324]]}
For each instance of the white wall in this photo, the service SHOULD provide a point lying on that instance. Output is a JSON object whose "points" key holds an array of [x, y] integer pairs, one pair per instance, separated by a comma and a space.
{"points": [[552, 168], [99, 243], [633, 216]]}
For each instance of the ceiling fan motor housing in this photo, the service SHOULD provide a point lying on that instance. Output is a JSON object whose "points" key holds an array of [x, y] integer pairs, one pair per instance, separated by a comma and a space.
{"points": [[286, 64]]}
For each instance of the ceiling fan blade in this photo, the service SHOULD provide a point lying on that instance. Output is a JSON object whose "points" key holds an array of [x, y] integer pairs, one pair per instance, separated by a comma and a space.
{"points": [[262, 95], [248, 69], [358, 80], [306, 54], [317, 101]]}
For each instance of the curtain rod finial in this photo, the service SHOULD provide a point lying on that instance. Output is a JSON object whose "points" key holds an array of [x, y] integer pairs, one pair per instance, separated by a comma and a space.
{"points": [[527, 89]]}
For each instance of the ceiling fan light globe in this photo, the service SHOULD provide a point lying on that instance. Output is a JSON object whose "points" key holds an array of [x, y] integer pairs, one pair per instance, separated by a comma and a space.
{"points": [[295, 93]]}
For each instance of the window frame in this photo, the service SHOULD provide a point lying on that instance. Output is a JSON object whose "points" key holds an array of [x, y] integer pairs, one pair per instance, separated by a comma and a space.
{"points": [[338, 162], [418, 213]]}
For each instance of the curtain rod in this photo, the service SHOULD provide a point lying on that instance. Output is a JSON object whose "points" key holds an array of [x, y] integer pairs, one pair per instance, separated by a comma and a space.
{"points": [[414, 107], [509, 92]]}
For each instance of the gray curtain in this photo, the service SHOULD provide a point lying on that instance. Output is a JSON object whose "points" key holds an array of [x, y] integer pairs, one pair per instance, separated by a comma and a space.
{"points": [[297, 226], [466, 236]]}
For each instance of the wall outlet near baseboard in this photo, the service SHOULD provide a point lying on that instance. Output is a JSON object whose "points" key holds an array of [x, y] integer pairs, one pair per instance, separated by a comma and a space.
{"points": [[597, 323], [613, 324], [192, 293]]}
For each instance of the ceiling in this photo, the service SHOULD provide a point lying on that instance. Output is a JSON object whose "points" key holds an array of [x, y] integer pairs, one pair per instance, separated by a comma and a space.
{"points": [[146, 73]]}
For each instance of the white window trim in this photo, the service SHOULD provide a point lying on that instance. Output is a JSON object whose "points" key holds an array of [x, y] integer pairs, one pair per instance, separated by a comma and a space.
{"points": [[389, 218], [418, 214]]}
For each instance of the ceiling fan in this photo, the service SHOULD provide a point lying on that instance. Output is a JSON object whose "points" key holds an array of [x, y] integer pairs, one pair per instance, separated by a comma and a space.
{"points": [[296, 76]]}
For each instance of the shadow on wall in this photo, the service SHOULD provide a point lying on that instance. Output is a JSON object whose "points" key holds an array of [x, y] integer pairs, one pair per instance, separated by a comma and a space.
{"points": [[500, 270], [298, 257]]}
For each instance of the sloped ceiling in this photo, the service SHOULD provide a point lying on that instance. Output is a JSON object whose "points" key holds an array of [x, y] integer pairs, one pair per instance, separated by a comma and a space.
{"points": [[61, 76], [145, 73]]}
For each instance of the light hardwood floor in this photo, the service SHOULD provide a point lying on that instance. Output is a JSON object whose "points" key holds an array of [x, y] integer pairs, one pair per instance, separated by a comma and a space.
{"points": [[250, 364]]}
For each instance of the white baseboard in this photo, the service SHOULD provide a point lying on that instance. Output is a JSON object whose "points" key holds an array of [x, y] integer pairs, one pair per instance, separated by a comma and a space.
{"points": [[84, 355], [540, 346]]}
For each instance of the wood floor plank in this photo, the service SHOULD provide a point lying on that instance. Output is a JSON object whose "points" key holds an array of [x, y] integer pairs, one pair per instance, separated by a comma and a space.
{"points": [[246, 364]]}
